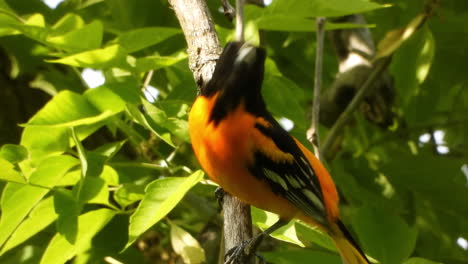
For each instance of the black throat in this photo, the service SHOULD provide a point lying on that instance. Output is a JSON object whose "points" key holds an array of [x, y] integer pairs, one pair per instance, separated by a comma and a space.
{"points": [[237, 79]]}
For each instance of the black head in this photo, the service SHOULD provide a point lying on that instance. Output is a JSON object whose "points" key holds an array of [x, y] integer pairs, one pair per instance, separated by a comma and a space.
{"points": [[237, 78]]}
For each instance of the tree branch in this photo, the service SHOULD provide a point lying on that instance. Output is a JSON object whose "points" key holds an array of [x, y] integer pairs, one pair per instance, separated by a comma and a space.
{"points": [[202, 42], [377, 71], [203, 51]]}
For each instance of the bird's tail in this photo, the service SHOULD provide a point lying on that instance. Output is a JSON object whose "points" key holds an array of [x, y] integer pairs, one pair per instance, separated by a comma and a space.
{"points": [[347, 246]]}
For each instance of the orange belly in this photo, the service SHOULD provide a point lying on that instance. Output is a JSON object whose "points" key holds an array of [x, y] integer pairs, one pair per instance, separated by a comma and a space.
{"points": [[225, 151]]}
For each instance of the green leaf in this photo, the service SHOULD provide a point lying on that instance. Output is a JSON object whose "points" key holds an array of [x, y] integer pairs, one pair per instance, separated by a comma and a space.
{"points": [[67, 210], [157, 62], [110, 175], [186, 246], [330, 8], [40, 217], [177, 126], [98, 58], [283, 97], [385, 236], [394, 39], [129, 90], [313, 236], [5, 7], [300, 257], [284, 22], [110, 149], [71, 178], [60, 250], [420, 261], [68, 109], [94, 190], [34, 28], [443, 190], [13, 153], [147, 122], [144, 37], [161, 197], [44, 141], [297, 15], [18, 200], [85, 38], [263, 220], [128, 194], [69, 22], [8, 172], [105, 99], [410, 66]]}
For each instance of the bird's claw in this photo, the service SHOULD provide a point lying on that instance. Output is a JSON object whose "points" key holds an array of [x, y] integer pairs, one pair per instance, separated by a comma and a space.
{"points": [[240, 254], [219, 194]]}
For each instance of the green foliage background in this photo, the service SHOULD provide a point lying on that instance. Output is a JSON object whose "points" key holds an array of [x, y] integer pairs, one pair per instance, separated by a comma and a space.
{"points": [[91, 172]]}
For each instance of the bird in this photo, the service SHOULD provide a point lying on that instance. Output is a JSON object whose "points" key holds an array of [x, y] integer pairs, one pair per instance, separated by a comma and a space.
{"points": [[241, 147]]}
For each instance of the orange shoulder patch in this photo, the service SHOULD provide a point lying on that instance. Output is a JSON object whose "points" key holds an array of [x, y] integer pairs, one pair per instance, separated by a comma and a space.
{"points": [[267, 146]]}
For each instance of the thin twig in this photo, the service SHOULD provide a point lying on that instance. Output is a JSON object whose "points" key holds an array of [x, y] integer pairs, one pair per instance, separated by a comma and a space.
{"points": [[240, 20], [313, 133], [377, 71], [147, 81]]}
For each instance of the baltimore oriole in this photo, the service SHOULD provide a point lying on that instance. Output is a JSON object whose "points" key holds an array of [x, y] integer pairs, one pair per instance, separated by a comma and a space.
{"points": [[243, 148]]}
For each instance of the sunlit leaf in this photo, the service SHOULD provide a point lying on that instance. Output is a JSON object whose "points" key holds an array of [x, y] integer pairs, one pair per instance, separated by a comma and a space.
{"points": [[60, 250], [69, 22], [282, 22], [40, 217], [105, 99], [85, 38], [97, 58], [313, 236], [394, 39], [144, 37], [400, 239], [175, 125], [69, 109], [18, 199], [109, 150], [161, 197], [128, 194], [157, 62], [264, 219], [67, 209], [185, 245], [8, 172], [94, 190], [297, 15], [44, 141], [147, 122]]}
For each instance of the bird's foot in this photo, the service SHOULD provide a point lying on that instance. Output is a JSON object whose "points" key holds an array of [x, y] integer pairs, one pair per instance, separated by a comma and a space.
{"points": [[242, 253], [219, 194]]}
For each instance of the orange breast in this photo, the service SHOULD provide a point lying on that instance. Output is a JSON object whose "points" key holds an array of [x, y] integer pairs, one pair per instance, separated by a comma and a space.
{"points": [[224, 151]]}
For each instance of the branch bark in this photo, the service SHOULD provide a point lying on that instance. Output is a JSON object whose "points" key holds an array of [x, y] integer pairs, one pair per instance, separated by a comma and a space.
{"points": [[202, 42], [203, 51]]}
